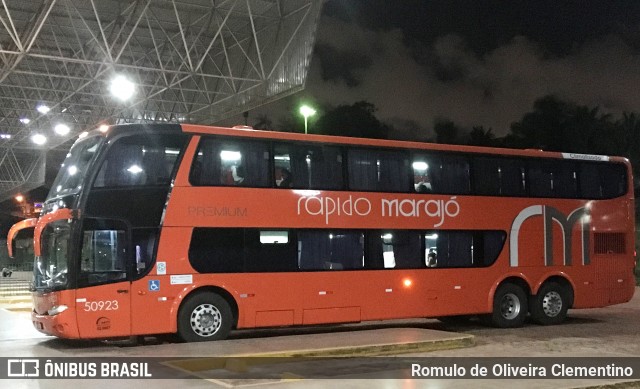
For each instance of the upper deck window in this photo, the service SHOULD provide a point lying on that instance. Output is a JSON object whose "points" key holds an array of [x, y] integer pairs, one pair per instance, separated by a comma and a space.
{"points": [[499, 176], [140, 160], [232, 163], [71, 175], [440, 174], [553, 179], [598, 180], [378, 170], [307, 167]]}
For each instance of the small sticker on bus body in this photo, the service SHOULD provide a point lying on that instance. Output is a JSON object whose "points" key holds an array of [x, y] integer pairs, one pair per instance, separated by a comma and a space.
{"points": [[181, 279]]}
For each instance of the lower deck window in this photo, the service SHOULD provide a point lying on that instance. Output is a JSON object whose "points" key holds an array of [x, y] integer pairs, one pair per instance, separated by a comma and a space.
{"points": [[330, 250], [462, 248], [237, 250]]}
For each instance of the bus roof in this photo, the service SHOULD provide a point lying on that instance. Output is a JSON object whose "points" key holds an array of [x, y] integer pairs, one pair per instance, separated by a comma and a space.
{"points": [[244, 131]]}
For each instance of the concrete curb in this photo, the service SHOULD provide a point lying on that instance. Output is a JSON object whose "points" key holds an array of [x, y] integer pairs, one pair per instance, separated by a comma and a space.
{"points": [[241, 362]]}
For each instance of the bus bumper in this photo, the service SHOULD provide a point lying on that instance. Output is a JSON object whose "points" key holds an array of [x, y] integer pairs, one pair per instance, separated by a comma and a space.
{"points": [[62, 325]]}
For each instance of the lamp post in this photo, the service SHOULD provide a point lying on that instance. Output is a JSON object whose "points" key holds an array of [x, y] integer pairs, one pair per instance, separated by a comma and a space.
{"points": [[306, 111]]}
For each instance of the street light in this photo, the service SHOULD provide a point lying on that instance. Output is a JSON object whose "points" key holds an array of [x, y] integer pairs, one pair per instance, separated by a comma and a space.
{"points": [[61, 129], [39, 139], [122, 88], [306, 111]]}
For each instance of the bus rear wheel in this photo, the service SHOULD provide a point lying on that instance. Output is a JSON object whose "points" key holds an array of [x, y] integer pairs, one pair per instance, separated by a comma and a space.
{"points": [[550, 305], [509, 307], [204, 316]]}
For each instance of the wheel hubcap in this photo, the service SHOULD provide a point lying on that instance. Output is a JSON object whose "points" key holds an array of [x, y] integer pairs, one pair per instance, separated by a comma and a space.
{"points": [[205, 320], [510, 306], [552, 304]]}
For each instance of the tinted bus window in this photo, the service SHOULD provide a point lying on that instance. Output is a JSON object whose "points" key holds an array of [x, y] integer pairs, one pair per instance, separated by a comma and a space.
{"points": [[235, 250], [445, 249], [217, 250], [441, 174], [402, 249], [330, 250], [231, 163], [378, 170], [498, 177], [140, 160], [144, 244], [553, 179], [270, 251], [75, 167], [308, 167], [598, 181]]}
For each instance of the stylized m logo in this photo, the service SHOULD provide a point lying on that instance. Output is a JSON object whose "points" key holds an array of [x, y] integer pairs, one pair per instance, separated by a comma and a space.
{"points": [[549, 215]]}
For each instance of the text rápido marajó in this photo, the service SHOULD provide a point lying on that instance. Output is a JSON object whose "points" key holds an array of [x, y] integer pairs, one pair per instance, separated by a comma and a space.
{"points": [[349, 206]]}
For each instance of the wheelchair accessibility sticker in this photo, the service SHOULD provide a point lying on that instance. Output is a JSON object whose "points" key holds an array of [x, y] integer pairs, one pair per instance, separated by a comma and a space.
{"points": [[154, 285]]}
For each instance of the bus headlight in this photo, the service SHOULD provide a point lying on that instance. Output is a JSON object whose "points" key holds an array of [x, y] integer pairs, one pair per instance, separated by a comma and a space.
{"points": [[57, 309]]}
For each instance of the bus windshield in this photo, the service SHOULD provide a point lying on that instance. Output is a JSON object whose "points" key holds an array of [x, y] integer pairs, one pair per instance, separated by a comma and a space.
{"points": [[74, 168], [51, 268]]}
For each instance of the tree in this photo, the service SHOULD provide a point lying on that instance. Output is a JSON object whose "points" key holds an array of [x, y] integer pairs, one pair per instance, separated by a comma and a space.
{"points": [[446, 131], [356, 120], [629, 132], [481, 137], [580, 126], [544, 127]]}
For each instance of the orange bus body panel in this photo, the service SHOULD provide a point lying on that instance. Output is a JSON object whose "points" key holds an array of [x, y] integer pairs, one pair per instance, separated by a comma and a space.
{"points": [[63, 325]]}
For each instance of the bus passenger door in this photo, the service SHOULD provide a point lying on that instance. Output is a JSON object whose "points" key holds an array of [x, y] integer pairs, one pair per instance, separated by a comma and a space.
{"points": [[103, 297]]}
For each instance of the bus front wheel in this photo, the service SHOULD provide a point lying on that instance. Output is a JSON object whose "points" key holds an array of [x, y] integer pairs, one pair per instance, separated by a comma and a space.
{"points": [[550, 305], [509, 307], [204, 316]]}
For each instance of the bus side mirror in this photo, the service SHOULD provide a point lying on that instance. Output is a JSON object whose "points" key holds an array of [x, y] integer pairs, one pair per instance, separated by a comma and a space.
{"points": [[11, 247], [11, 242]]}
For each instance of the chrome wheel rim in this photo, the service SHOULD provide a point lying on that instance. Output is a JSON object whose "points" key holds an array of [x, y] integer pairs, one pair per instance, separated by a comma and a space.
{"points": [[552, 304], [205, 320], [510, 306]]}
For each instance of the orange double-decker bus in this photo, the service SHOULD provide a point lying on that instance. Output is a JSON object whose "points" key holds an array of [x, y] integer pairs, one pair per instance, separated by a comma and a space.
{"points": [[195, 230]]}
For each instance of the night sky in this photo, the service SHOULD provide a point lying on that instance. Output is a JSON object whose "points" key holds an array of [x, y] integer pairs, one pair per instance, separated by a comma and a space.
{"points": [[472, 62]]}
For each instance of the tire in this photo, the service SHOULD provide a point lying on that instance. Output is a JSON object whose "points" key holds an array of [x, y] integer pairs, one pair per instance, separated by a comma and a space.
{"points": [[509, 307], [203, 317], [550, 305]]}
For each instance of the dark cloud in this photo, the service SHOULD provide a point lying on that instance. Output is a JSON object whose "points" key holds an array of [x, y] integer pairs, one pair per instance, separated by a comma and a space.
{"points": [[477, 63], [558, 26], [341, 65], [493, 89]]}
